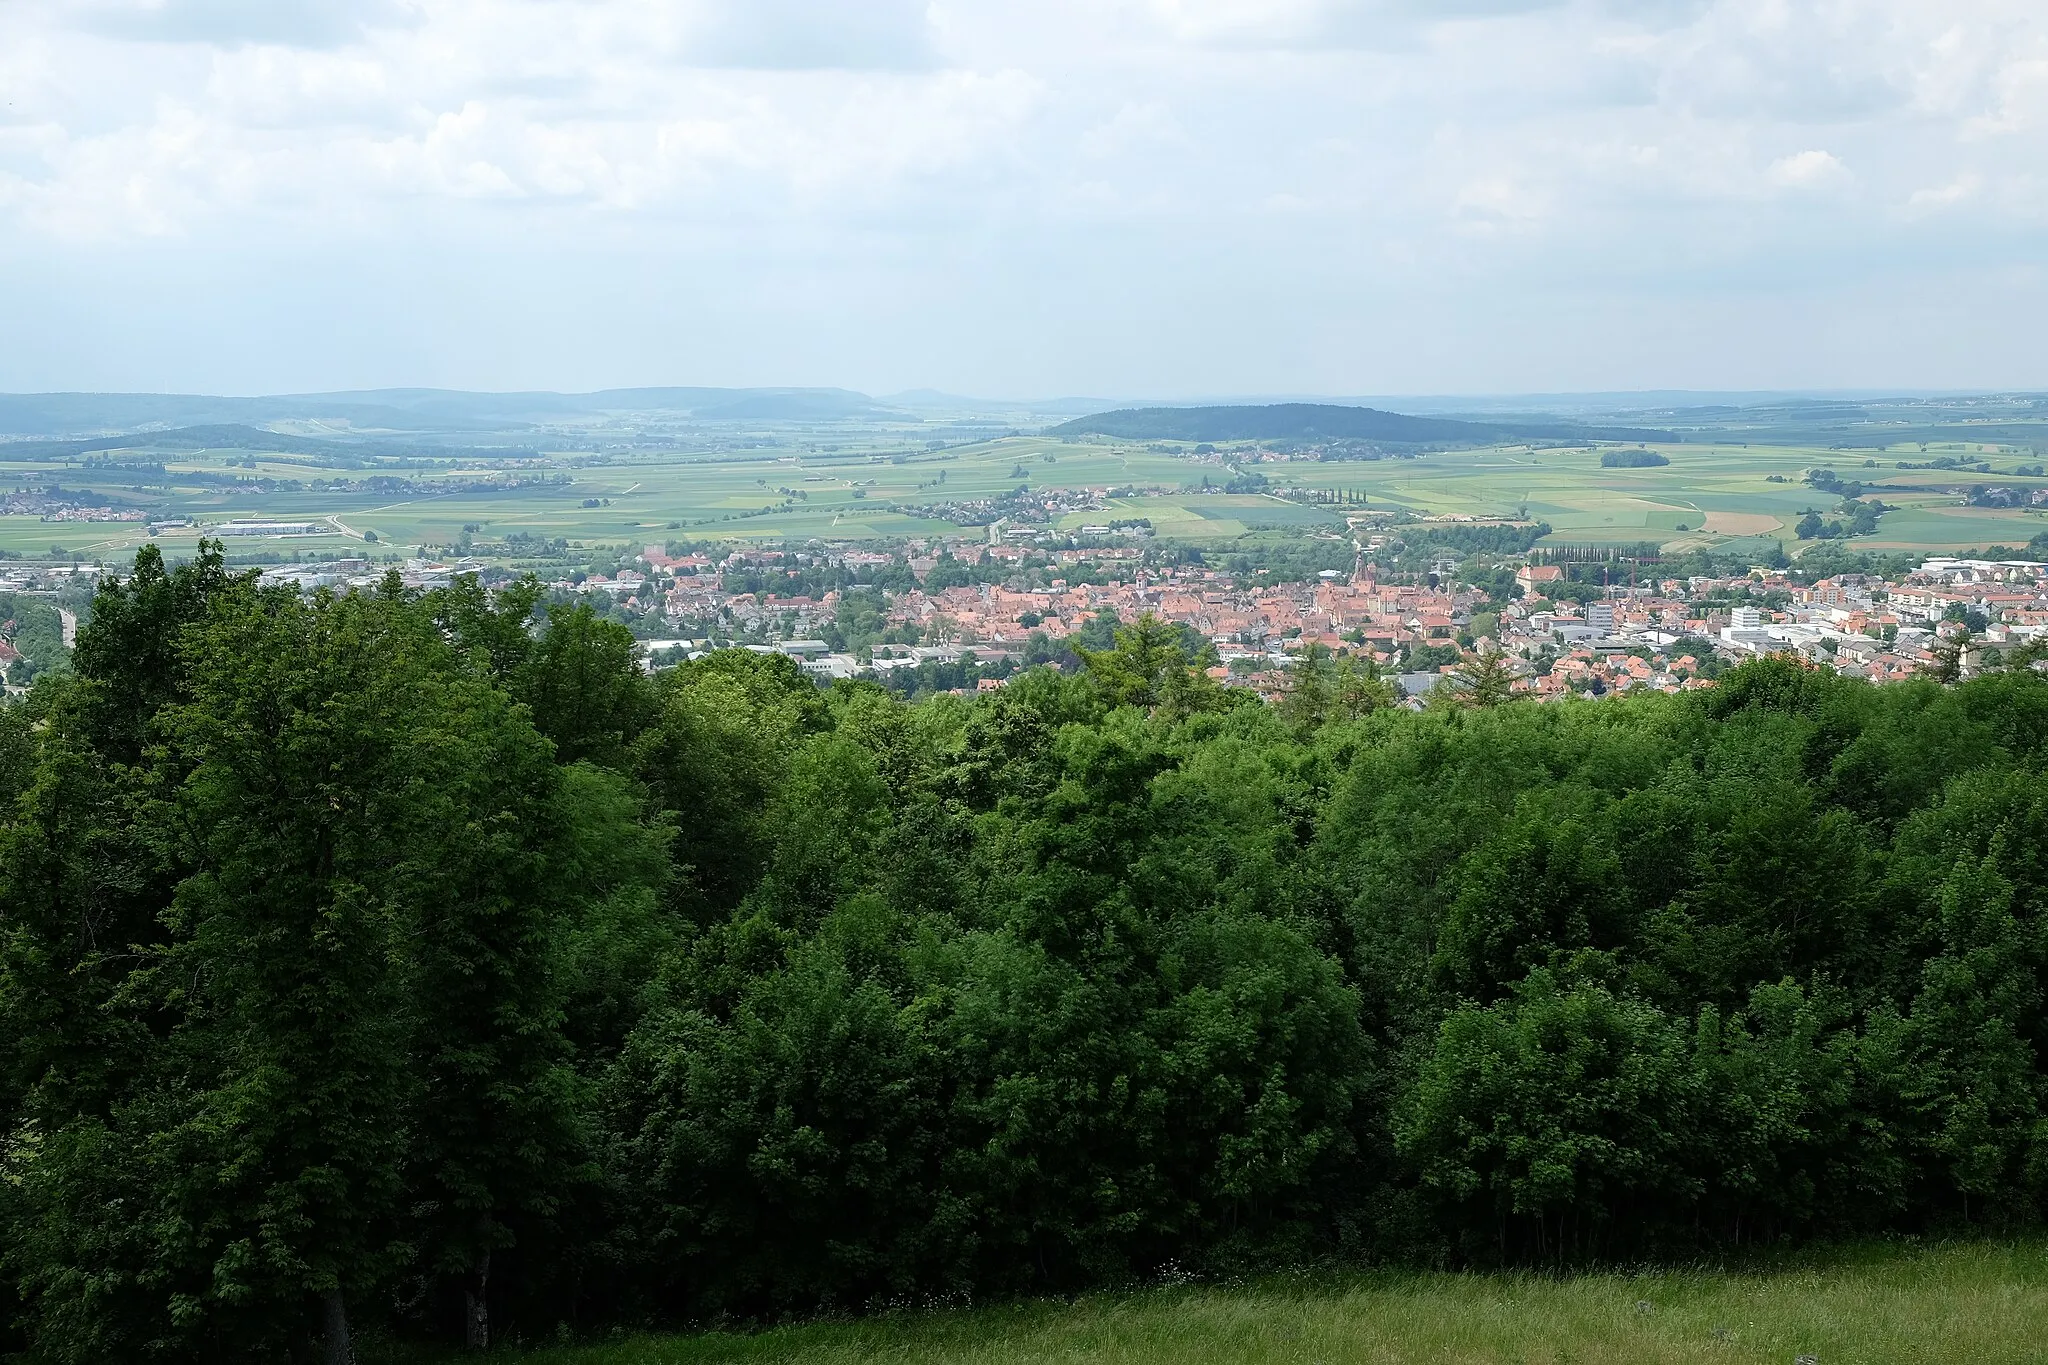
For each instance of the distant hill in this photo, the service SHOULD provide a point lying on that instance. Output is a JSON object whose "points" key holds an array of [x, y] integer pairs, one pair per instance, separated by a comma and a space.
{"points": [[792, 405], [223, 436], [936, 398], [1329, 421], [236, 436], [412, 410], [442, 405], [79, 414]]}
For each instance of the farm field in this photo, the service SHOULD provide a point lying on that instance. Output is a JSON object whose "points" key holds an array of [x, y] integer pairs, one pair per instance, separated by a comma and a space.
{"points": [[1709, 496], [1970, 1304]]}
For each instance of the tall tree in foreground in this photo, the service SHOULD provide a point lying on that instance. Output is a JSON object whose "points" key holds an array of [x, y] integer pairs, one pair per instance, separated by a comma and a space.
{"points": [[483, 896], [583, 682], [268, 1136], [355, 1058], [131, 656]]}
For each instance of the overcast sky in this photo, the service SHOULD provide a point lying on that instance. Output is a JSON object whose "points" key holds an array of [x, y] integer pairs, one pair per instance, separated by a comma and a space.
{"points": [[1024, 197]]}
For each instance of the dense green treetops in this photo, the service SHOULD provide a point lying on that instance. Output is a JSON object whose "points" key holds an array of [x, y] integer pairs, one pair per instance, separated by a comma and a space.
{"points": [[1631, 459], [419, 957]]}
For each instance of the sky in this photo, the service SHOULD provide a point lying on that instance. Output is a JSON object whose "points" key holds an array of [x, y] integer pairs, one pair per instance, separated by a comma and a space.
{"points": [[1142, 198]]}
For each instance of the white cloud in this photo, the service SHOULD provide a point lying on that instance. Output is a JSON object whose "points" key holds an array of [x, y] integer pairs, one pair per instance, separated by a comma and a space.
{"points": [[1312, 23], [1956, 191], [1283, 159], [2019, 102], [1807, 169]]}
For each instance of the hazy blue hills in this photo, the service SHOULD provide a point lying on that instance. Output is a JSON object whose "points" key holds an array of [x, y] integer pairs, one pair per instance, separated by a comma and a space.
{"points": [[210, 436], [415, 410], [1328, 421], [83, 414], [453, 417], [240, 436], [792, 405]]}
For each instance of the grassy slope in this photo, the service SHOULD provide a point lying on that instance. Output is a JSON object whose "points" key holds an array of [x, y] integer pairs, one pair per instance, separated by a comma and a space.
{"points": [[1980, 1303]]}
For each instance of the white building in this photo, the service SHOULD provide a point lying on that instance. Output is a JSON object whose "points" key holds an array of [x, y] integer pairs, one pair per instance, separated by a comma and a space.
{"points": [[1745, 631]]}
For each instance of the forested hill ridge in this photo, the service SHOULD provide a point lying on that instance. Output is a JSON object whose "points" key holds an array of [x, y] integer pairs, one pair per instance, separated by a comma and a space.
{"points": [[226, 436], [415, 960], [1334, 422], [402, 410]]}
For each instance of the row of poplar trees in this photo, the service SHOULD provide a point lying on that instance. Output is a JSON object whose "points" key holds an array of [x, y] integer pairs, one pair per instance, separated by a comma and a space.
{"points": [[407, 964]]}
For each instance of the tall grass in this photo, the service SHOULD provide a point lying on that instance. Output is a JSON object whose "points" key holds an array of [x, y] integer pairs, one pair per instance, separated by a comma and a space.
{"points": [[1976, 1303]]}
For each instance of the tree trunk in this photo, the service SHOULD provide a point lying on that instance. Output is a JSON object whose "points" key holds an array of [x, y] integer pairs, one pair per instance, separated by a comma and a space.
{"points": [[476, 1304], [339, 1349]]}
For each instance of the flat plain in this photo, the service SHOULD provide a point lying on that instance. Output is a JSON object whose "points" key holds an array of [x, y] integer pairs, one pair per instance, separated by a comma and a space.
{"points": [[1978, 1303], [1726, 496]]}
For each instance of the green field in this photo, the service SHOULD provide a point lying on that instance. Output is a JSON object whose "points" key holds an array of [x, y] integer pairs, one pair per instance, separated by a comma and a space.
{"points": [[1708, 496], [1971, 1304]]}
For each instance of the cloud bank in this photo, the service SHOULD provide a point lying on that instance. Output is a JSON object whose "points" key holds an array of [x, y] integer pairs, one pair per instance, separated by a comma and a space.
{"points": [[1127, 196]]}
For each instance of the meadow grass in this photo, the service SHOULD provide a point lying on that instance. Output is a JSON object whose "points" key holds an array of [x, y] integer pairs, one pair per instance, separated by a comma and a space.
{"points": [[1975, 1303]]}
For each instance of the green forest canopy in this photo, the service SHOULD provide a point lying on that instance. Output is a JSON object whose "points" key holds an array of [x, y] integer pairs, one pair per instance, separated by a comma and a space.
{"points": [[418, 956]]}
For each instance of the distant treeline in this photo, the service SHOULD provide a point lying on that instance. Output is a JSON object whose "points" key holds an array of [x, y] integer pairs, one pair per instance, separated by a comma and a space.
{"points": [[234, 436], [2029, 436], [1330, 421], [419, 960], [2035, 549], [1631, 459], [1286, 561], [1472, 540], [815, 580], [440, 410], [1638, 551]]}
